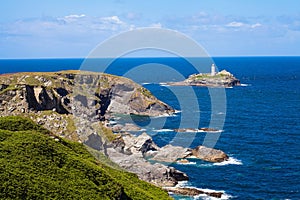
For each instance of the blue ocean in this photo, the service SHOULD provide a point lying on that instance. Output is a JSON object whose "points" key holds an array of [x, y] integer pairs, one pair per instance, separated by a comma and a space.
{"points": [[261, 132]]}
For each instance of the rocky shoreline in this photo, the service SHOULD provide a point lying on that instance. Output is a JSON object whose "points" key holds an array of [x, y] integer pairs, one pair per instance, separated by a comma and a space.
{"points": [[78, 105]]}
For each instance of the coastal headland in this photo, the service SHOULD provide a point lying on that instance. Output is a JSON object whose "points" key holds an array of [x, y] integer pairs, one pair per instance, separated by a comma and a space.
{"points": [[77, 106]]}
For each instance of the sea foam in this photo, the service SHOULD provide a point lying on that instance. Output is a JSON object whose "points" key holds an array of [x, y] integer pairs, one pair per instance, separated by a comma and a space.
{"points": [[230, 161]]}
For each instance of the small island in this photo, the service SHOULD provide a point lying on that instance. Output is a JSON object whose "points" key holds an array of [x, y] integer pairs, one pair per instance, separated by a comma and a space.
{"points": [[213, 79]]}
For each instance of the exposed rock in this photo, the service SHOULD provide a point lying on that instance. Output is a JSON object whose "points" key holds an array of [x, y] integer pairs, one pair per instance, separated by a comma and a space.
{"points": [[209, 154], [141, 144], [171, 153], [192, 191], [84, 94], [157, 174], [130, 127], [183, 161]]}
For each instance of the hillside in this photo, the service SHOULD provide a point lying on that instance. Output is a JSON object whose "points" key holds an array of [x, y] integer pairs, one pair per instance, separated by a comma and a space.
{"points": [[58, 100], [36, 164]]}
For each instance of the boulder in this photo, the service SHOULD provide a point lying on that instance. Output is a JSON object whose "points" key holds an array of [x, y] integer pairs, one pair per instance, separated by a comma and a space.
{"points": [[141, 144], [171, 153], [187, 191], [157, 174], [209, 154]]}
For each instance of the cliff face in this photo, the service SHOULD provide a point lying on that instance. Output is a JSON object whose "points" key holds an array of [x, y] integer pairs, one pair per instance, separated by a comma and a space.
{"points": [[71, 103], [62, 91]]}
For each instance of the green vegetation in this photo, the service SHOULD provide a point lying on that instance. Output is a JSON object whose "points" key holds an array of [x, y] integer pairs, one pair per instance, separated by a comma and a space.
{"points": [[34, 165], [207, 76], [145, 92], [105, 132]]}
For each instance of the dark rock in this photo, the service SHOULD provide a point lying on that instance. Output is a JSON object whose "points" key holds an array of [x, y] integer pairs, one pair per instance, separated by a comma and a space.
{"points": [[3, 87]]}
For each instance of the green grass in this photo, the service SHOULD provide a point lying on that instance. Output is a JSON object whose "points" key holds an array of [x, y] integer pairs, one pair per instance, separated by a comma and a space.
{"points": [[35, 166], [145, 92], [207, 76]]}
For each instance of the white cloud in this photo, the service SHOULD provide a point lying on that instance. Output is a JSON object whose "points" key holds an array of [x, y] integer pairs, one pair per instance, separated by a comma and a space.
{"points": [[235, 24], [71, 18], [256, 25], [112, 20], [74, 16]]}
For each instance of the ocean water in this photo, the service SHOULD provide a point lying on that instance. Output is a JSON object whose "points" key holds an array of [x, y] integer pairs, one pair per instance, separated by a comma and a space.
{"points": [[261, 133]]}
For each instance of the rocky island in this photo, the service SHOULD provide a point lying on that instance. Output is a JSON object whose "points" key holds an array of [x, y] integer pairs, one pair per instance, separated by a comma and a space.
{"points": [[77, 106], [213, 79]]}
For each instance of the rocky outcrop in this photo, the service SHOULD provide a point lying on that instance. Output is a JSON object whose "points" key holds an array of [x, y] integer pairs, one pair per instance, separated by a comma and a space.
{"points": [[209, 154], [221, 79], [73, 103], [130, 154], [171, 153], [186, 191], [87, 94]]}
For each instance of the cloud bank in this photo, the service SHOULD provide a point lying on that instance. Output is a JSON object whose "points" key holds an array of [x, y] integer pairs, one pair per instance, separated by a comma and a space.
{"points": [[75, 35]]}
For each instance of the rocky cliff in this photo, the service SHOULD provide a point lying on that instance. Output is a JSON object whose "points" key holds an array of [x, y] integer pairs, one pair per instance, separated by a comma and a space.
{"points": [[76, 105], [72, 104], [61, 91], [60, 96]]}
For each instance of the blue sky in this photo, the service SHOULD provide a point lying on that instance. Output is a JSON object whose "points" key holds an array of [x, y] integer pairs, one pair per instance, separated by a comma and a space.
{"points": [[72, 28]]}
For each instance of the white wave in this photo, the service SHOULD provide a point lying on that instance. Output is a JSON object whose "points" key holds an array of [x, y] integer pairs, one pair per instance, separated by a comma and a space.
{"points": [[202, 131], [178, 111], [164, 84], [245, 85], [189, 163], [205, 165], [146, 83], [164, 115], [164, 130], [230, 161], [182, 184], [186, 184], [206, 197]]}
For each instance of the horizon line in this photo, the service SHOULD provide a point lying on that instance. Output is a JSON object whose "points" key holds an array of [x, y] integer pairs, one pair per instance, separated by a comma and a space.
{"points": [[141, 57]]}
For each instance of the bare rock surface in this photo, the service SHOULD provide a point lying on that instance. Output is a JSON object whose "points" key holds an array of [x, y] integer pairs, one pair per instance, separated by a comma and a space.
{"points": [[187, 191], [209, 154]]}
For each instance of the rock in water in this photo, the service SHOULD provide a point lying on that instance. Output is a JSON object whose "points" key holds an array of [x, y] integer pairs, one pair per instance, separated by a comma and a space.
{"points": [[192, 192], [209, 154]]}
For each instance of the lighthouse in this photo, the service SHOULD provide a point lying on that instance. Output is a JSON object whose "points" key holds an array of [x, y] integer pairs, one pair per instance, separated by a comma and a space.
{"points": [[213, 70]]}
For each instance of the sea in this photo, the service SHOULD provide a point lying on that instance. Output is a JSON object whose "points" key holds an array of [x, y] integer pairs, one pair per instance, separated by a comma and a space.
{"points": [[259, 121]]}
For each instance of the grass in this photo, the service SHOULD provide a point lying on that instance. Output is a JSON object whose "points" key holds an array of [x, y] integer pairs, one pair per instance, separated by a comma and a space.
{"points": [[35, 166], [207, 76], [145, 92]]}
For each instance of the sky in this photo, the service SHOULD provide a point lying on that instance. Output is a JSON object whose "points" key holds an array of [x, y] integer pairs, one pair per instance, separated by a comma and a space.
{"points": [[73, 28]]}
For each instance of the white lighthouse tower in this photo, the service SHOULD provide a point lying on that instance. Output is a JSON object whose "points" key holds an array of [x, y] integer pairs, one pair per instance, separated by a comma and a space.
{"points": [[213, 70]]}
